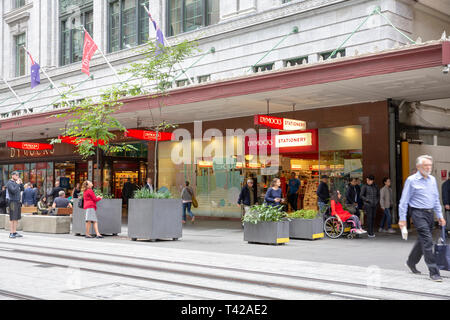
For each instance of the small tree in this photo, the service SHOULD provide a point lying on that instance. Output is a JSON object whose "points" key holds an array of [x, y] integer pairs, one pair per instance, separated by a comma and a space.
{"points": [[91, 124], [159, 67]]}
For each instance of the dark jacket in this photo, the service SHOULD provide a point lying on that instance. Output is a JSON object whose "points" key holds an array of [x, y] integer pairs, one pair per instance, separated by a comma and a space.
{"points": [[29, 197], [13, 190], [3, 198], [244, 196], [128, 190], [446, 192], [323, 192], [352, 192], [55, 192], [370, 195], [271, 194]]}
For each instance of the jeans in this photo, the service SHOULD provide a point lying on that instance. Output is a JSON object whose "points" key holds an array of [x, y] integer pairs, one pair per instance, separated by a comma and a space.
{"points": [[370, 213], [292, 198], [355, 219], [423, 221], [187, 205], [322, 207], [386, 218]]}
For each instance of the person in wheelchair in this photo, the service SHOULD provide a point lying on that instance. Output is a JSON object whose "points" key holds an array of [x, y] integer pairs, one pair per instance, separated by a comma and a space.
{"points": [[338, 211]]}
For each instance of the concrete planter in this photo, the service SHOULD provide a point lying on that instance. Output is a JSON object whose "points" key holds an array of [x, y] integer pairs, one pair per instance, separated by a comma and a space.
{"points": [[8, 224], [2, 220], [46, 224], [154, 219], [109, 216], [309, 229], [267, 232]]}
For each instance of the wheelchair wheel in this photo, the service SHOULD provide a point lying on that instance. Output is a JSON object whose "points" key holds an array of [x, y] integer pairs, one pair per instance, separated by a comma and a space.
{"points": [[333, 228]]}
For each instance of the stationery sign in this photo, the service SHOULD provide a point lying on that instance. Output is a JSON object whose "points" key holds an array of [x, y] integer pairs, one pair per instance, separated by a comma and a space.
{"points": [[279, 123], [29, 145], [292, 142]]}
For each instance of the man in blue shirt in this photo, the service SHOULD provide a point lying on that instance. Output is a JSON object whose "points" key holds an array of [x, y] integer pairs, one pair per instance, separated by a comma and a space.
{"points": [[293, 190], [421, 194]]}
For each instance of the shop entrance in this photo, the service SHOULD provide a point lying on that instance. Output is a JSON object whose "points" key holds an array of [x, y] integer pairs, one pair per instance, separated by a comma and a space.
{"points": [[124, 171]]}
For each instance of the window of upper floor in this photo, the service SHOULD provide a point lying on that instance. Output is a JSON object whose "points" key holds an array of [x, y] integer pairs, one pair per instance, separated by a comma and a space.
{"points": [[71, 33], [20, 55], [263, 67], [188, 15], [128, 24], [295, 61], [338, 54], [18, 3]]}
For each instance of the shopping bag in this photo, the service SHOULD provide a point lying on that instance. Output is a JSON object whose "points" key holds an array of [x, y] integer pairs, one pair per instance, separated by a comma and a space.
{"points": [[442, 252], [194, 202]]}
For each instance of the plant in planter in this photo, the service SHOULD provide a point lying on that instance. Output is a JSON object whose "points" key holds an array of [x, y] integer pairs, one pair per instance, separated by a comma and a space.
{"points": [[306, 224], [154, 215], [109, 215], [266, 224]]}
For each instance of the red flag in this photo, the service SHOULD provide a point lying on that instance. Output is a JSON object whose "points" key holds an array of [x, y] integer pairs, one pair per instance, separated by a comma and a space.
{"points": [[89, 49]]}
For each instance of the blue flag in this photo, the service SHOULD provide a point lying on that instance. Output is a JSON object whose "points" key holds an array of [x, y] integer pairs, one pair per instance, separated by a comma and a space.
{"points": [[35, 77], [159, 35]]}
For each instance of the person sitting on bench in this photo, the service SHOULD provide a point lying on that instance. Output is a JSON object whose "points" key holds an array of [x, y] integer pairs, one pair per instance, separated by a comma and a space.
{"points": [[42, 207], [60, 202]]}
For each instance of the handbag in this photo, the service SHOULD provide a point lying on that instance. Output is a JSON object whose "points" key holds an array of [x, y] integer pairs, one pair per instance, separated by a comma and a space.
{"points": [[442, 252], [81, 203], [194, 200]]}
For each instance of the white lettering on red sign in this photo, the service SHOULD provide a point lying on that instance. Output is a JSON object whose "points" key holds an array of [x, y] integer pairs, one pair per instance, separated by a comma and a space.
{"points": [[271, 120], [291, 124], [30, 146], [293, 140]]}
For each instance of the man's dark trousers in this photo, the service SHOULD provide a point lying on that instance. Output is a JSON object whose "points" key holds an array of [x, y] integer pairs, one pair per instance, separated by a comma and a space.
{"points": [[292, 198], [423, 222], [370, 212]]}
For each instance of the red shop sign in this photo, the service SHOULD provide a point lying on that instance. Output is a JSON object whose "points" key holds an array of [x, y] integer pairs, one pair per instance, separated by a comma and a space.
{"points": [[29, 145], [148, 135], [73, 140], [284, 142], [279, 123]]}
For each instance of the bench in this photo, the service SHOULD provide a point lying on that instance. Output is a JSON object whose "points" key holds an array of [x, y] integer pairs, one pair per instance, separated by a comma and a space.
{"points": [[63, 211], [46, 224], [28, 210]]}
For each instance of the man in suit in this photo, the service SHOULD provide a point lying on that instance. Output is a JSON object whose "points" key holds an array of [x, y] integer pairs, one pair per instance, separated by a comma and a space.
{"points": [[149, 185], [127, 191]]}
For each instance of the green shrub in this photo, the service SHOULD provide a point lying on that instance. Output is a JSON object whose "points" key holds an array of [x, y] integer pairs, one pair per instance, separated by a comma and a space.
{"points": [[144, 193], [264, 212], [303, 214]]}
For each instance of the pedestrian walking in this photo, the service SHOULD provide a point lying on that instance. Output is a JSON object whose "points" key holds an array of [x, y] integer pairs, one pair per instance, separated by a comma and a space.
{"points": [[274, 195], [386, 204], [446, 200], [127, 191], [323, 194], [293, 191], [247, 196], [421, 194], [90, 205], [187, 195], [13, 188], [28, 196], [370, 194]]}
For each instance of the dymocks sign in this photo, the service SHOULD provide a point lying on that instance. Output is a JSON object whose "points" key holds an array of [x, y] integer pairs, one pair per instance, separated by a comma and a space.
{"points": [[279, 123], [292, 142]]}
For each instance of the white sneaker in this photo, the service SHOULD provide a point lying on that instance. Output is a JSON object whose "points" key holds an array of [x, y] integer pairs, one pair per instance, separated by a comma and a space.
{"points": [[391, 230], [371, 236], [363, 231], [380, 230]]}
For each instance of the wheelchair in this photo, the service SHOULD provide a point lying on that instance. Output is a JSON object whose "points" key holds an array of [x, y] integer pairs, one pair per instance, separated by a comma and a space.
{"points": [[335, 228]]}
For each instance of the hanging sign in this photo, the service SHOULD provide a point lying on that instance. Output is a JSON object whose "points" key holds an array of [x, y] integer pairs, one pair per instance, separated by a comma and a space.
{"points": [[279, 123], [148, 135], [292, 142], [74, 141], [29, 145]]}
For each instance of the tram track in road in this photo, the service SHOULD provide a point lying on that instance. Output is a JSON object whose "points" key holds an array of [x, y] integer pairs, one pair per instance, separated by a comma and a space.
{"points": [[16, 296], [264, 283]]}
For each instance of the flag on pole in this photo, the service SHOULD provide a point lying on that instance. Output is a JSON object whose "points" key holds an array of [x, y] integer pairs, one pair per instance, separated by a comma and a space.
{"points": [[89, 49], [35, 67], [159, 34]]}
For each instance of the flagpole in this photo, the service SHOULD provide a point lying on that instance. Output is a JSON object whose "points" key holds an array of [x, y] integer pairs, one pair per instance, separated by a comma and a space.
{"points": [[179, 64], [12, 91], [107, 61], [45, 73]]}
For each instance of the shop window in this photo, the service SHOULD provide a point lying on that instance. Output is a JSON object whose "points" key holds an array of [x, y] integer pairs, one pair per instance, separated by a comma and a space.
{"points": [[71, 35], [263, 67], [128, 24], [338, 54], [295, 61], [188, 15]]}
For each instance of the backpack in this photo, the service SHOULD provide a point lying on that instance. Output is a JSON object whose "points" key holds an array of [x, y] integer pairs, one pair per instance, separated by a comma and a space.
{"points": [[81, 203]]}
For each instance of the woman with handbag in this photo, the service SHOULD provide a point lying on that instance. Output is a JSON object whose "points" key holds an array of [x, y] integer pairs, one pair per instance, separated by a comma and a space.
{"points": [[187, 196], [90, 205]]}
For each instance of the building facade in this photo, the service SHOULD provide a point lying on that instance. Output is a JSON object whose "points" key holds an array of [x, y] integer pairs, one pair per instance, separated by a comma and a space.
{"points": [[255, 57]]}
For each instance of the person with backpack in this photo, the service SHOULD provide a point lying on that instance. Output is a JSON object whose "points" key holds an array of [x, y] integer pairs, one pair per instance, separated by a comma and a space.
{"points": [[187, 195], [370, 194]]}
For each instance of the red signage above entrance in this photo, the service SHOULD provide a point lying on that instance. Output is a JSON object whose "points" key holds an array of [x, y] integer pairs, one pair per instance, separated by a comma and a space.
{"points": [[28, 145], [284, 142], [279, 123], [73, 140], [148, 135]]}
